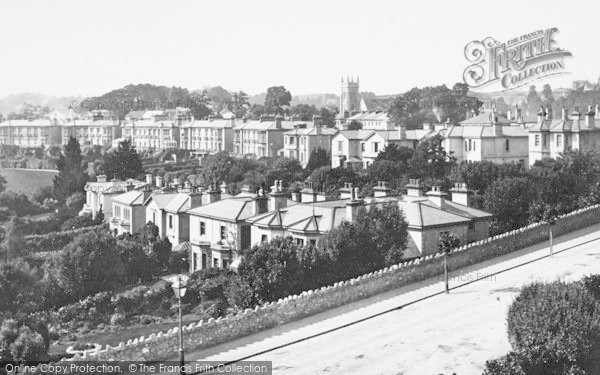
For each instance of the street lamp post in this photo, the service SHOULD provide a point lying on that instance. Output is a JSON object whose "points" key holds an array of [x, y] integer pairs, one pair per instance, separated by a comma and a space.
{"points": [[179, 288], [446, 271]]}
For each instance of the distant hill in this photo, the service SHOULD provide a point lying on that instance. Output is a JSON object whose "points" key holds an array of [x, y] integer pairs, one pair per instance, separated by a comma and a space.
{"points": [[11, 103]]}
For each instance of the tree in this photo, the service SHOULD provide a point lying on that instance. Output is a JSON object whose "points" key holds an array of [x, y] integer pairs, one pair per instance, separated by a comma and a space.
{"points": [[555, 328], [430, 160], [508, 199], [304, 112], [20, 343], [199, 104], [354, 125], [239, 104], [277, 97], [220, 98], [327, 117], [547, 96], [271, 270], [29, 111], [395, 153], [72, 176], [3, 183], [446, 243], [319, 157], [19, 287], [90, 263], [124, 162], [534, 101]]}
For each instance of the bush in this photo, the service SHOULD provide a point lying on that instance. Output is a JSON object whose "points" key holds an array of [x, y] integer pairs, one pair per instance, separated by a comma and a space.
{"points": [[554, 327], [117, 319], [509, 364], [592, 284]]}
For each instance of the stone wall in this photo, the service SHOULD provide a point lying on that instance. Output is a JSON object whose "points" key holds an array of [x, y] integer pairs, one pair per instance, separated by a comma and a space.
{"points": [[203, 334]]}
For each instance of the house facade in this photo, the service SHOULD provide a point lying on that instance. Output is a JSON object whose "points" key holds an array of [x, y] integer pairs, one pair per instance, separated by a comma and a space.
{"points": [[31, 133], [99, 128], [155, 130], [300, 142], [99, 194], [208, 136], [487, 137], [129, 212], [550, 137]]}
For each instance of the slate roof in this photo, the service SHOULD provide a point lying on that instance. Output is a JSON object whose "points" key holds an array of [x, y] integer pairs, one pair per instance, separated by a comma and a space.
{"points": [[485, 131], [179, 203], [232, 209], [130, 198], [323, 216], [484, 119], [570, 125], [311, 131]]}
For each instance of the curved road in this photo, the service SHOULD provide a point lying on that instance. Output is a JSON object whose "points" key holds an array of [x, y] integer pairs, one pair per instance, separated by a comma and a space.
{"points": [[444, 334]]}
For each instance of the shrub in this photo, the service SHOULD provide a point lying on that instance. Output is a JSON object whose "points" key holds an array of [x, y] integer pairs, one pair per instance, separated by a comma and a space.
{"points": [[554, 327], [592, 284], [509, 364], [117, 319]]}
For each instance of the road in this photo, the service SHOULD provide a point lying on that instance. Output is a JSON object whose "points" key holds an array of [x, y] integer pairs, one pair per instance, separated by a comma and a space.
{"points": [[444, 334]]}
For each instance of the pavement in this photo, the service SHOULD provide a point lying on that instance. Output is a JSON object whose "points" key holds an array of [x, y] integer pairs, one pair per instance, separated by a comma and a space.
{"points": [[439, 334]]}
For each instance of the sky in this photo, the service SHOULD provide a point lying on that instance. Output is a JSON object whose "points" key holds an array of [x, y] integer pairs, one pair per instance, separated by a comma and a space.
{"points": [[87, 48]]}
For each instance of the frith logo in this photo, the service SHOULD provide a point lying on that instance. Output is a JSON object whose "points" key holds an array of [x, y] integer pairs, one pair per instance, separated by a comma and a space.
{"points": [[514, 63]]}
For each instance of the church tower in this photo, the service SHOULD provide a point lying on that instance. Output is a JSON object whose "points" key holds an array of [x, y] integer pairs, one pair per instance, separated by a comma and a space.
{"points": [[349, 96]]}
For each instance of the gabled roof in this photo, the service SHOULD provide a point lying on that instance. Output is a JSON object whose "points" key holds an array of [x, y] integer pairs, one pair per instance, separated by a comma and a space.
{"points": [[485, 131], [232, 209], [567, 125], [311, 131], [179, 203], [131, 198], [160, 199], [355, 134], [484, 119]]}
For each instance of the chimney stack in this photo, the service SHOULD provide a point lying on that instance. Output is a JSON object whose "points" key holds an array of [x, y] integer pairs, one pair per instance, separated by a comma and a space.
{"points": [[353, 206], [278, 120], [159, 181], [195, 197], [381, 190], [436, 196], [101, 178], [346, 191], [548, 114], [278, 197], [414, 188], [149, 178], [541, 115], [214, 193], [590, 117], [564, 113], [461, 194], [129, 186], [260, 203], [575, 115], [308, 195]]}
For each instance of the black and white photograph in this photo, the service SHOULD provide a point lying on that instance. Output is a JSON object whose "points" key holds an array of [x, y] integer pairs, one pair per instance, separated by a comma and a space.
{"points": [[278, 187]]}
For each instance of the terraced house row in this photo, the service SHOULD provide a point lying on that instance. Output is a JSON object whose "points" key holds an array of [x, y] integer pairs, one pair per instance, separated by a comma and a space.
{"points": [[488, 136], [214, 227]]}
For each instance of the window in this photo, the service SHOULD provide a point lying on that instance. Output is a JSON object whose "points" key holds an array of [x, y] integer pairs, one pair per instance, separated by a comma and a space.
{"points": [[299, 241], [474, 144], [536, 140], [544, 141], [362, 147], [154, 217], [215, 263], [470, 145], [340, 146], [126, 214], [471, 225], [312, 242], [223, 233], [264, 238], [559, 140], [507, 146], [170, 221], [202, 228], [195, 261], [466, 146], [203, 261], [375, 146], [291, 140], [225, 264]]}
